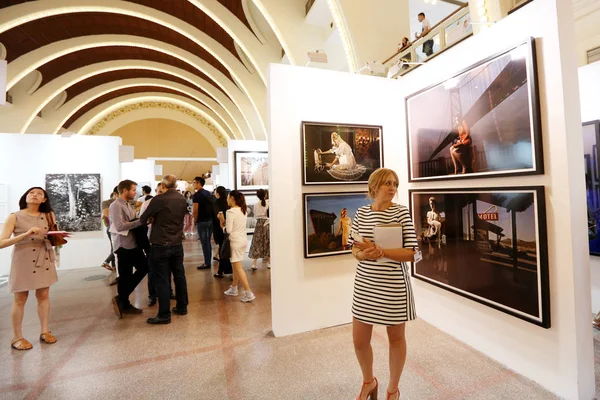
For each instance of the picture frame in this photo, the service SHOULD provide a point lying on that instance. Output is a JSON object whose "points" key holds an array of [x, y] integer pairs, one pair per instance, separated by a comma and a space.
{"points": [[324, 231], [251, 170], [251, 200], [76, 200], [498, 135], [591, 138], [352, 152], [498, 258]]}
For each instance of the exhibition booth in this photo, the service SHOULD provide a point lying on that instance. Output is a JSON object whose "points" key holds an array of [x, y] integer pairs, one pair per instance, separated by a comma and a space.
{"points": [[510, 200]]}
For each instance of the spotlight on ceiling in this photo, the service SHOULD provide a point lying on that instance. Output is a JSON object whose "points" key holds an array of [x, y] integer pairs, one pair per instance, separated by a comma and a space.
{"points": [[318, 56]]}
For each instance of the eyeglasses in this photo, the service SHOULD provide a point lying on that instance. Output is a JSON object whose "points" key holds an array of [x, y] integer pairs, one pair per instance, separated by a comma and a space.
{"points": [[391, 183]]}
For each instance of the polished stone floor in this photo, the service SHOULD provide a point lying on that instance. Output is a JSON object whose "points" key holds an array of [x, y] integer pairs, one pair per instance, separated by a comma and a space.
{"points": [[223, 349]]}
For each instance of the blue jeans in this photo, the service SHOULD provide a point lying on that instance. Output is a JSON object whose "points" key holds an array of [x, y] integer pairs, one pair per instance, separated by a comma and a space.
{"points": [[204, 233], [166, 260]]}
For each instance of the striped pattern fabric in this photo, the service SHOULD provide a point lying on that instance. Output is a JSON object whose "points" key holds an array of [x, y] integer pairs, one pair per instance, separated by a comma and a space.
{"points": [[382, 290]]}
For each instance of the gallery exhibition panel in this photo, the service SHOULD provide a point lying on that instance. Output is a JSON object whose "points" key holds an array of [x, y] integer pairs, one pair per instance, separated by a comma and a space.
{"points": [[493, 116]]}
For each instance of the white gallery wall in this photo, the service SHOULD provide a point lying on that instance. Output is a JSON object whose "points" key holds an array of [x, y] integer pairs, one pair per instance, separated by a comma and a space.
{"points": [[589, 95], [316, 293], [140, 171], [26, 159]]}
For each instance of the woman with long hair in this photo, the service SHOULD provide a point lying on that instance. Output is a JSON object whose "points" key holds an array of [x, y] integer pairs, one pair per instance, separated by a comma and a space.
{"points": [[382, 290], [344, 157], [235, 226], [260, 247], [32, 266], [221, 208], [188, 220]]}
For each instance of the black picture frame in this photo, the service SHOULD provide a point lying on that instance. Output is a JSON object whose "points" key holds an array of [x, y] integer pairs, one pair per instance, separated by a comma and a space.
{"points": [[591, 138], [250, 220], [305, 216], [238, 184], [308, 178], [441, 168], [470, 264]]}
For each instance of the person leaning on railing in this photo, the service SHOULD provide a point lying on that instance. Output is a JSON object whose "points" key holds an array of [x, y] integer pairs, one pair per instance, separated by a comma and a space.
{"points": [[405, 44]]}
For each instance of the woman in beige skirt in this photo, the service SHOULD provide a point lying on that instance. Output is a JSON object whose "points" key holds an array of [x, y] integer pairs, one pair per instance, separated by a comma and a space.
{"points": [[32, 265]]}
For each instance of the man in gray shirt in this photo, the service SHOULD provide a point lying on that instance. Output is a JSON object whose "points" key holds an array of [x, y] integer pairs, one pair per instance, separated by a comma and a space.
{"points": [[123, 220], [166, 252]]}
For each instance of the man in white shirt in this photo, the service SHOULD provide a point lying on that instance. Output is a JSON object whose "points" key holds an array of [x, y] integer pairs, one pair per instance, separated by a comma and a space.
{"points": [[425, 28]]}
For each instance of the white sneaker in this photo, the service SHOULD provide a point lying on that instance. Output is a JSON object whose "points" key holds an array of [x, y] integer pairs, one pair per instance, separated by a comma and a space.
{"points": [[232, 291], [254, 267], [248, 297]]}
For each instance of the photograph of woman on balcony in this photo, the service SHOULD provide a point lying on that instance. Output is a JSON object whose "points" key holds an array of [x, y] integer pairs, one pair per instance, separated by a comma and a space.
{"points": [[480, 122], [485, 247]]}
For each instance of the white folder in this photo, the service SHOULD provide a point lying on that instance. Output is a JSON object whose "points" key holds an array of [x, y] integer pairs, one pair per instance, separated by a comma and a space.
{"points": [[388, 236]]}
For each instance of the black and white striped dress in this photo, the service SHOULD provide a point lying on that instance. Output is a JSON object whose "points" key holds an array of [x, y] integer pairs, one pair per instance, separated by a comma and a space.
{"points": [[382, 290]]}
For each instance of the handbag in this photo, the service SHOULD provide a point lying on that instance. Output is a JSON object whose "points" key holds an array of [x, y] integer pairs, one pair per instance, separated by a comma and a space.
{"points": [[52, 226], [225, 250]]}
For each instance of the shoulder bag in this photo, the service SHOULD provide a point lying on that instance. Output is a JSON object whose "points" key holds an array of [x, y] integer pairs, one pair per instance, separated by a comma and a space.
{"points": [[225, 249], [52, 226]]}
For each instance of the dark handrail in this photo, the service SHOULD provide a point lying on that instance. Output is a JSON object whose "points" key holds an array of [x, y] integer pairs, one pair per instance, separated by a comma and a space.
{"points": [[435, 26]]}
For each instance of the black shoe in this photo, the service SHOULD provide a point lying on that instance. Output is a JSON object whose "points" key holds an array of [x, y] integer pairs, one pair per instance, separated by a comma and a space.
{"points": [[177, 311], [157, 320], [117, 307], [203, 267], [151, 301], [132, 310], [114, 282], [220, 276], [215, 259], [173, 296]]}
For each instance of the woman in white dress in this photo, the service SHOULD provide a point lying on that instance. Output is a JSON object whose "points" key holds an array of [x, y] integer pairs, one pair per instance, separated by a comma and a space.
{"points": [[344, 158], [235, 226]]}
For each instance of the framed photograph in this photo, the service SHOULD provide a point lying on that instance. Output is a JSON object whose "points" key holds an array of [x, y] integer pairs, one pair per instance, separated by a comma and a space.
{"points": [[251, 170], [486, 244], [328, 220], [483, 122], [251, 200], [75, 199], [340, 154], [591, 137]]}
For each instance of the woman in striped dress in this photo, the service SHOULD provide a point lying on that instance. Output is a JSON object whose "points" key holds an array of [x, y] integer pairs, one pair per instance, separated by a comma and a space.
{"points": [[382, 291]]}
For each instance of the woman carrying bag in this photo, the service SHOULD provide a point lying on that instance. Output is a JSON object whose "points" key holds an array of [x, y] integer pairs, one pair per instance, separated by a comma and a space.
{"points": [[33, 262]]}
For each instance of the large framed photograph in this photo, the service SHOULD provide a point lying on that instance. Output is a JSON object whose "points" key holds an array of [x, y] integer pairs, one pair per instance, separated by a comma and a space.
{"points": [[75, 199], [591, 138], [485, 121], [251, 170], [340, 154], [251, 201], [328, 220], [486, 244]]}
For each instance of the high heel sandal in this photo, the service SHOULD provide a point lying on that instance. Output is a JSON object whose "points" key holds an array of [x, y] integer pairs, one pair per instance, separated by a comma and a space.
{"points": [[372, 395], [389, 395]]}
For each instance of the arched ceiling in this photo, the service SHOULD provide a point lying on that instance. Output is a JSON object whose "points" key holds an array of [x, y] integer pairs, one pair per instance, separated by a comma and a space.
{"points": [[30, 27]]}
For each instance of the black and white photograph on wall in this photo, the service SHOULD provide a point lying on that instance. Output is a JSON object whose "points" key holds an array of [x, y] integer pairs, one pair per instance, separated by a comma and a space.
{"points": [[251, 201], [328, 220], [486, 244], [251, 170], [591, 138], [485, 121], [75, 199], [340, 154]]}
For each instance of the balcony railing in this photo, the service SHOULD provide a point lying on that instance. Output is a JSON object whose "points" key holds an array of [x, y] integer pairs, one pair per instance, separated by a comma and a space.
{"points": [[445, 34]]}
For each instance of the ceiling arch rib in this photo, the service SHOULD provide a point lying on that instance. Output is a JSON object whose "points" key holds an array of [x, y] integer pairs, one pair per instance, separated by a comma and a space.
{"points": [[252, 86], [83, 102], [96, 116], [52, 51]]}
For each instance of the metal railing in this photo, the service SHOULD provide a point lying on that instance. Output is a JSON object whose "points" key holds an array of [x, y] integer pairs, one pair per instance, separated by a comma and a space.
{"points": [[445, 34]]}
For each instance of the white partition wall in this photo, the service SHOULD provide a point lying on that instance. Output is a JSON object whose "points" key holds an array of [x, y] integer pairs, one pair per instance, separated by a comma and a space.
{"points": [[316, 293], [140, 171], [26, 159]]}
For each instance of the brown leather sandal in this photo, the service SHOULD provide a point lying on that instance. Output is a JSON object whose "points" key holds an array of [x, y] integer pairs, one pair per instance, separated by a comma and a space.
{"points": [[21, 344], [47, 338]]}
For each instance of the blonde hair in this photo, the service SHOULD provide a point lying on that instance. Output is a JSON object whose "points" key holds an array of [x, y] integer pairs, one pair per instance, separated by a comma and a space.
{"points": [[378, 178]]}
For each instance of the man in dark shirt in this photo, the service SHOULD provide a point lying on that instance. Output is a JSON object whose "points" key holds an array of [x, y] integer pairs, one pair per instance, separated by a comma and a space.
{"points": [[203, 217], [146, 190], [167, 212]]}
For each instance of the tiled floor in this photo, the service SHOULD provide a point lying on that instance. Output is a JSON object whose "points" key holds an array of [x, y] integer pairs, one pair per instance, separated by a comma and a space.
{"points": [[223, 349]]}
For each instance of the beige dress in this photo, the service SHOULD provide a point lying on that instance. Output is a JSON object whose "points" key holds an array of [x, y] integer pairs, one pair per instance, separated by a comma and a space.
{"points": [[33, 258]]}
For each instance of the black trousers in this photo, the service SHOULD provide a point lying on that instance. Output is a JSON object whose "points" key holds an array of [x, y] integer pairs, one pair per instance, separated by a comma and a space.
{"points": [[165, 259], [152, 281], [111, 257], [127, 259]]}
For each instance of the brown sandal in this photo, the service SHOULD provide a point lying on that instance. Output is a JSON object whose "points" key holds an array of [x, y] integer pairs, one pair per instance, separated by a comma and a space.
{"points": [[23, 344], [47, 338]]}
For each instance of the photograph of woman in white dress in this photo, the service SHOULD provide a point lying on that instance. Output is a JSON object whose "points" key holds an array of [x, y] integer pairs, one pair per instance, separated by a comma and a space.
{"points": [[340, 153]]}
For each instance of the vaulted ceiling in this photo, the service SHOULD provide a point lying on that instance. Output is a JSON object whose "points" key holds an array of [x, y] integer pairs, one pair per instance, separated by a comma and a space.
{"points": [[69, 58]]}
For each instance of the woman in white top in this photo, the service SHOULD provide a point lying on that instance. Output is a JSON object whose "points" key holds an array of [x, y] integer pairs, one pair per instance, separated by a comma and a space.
{"points": [[260, 247], [344, 158], [235, 226]]}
